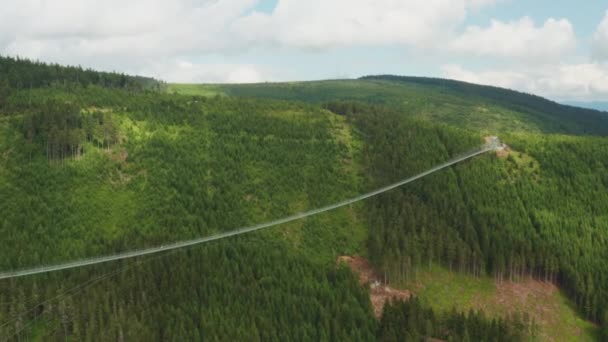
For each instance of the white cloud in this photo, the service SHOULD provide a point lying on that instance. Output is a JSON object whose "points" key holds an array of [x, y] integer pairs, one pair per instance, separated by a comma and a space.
{"points": [[51, 20], [136, 35], [505, 79], [187, 72], [64, 28], [600, 40], [320, 24], [586, 81], [517, 39], [117, 34]]}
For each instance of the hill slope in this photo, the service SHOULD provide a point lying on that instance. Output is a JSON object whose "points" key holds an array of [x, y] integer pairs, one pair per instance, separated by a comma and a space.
{"points": [[90, 169], [481, 108], [539, 210]]}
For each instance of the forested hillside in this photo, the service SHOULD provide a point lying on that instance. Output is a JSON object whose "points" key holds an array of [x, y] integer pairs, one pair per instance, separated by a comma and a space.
{"points": [[564, 118], [176, 168], [539, 211], [92, 168], [469, 106]]}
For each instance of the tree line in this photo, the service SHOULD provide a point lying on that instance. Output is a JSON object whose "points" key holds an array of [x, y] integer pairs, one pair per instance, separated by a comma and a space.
{"points": [[19, 73], [411, 321], [63, 129]]}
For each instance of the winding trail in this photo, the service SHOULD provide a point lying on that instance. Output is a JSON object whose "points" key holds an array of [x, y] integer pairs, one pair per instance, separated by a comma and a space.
{"points": [[182, 244]]}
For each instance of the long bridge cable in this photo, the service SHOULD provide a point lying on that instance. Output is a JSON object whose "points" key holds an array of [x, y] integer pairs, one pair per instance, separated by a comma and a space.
{"points": [[239, 231]]}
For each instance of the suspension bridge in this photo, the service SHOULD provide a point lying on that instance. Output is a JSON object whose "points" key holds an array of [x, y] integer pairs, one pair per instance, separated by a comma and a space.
{"points": [[492, 144]]}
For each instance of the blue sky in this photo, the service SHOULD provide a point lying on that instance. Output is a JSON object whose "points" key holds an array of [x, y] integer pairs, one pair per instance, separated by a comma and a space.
{"points": [[557, 49], [266, 6]]}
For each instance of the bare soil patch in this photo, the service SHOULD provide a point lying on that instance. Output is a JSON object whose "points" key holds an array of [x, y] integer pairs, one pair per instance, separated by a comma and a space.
{"points": [[379, 293], [533, 296]]}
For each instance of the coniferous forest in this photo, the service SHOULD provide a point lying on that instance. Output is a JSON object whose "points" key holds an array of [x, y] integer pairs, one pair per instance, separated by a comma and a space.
{"points": [[96, 163]]}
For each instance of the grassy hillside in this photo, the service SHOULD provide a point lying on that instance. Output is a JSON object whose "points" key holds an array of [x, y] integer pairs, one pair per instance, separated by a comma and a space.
{"points": [[91, 169], [542, 302], [480, 108]]}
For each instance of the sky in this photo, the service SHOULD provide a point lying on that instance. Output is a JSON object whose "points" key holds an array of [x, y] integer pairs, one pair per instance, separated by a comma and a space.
{"points": [[553, 48]]}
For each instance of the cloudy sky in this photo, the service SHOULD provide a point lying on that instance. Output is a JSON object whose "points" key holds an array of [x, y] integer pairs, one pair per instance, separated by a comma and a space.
{"points": [[555, 48]]}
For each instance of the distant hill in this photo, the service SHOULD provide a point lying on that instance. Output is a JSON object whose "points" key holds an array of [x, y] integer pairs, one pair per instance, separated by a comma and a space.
{"points": [[584, 121], [597, 105], [483, 108]]}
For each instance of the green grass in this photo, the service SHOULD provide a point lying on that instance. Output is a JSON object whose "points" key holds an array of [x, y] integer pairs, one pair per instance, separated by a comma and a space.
{"points": [[195, 89], [347, 137], [554, 313]]}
